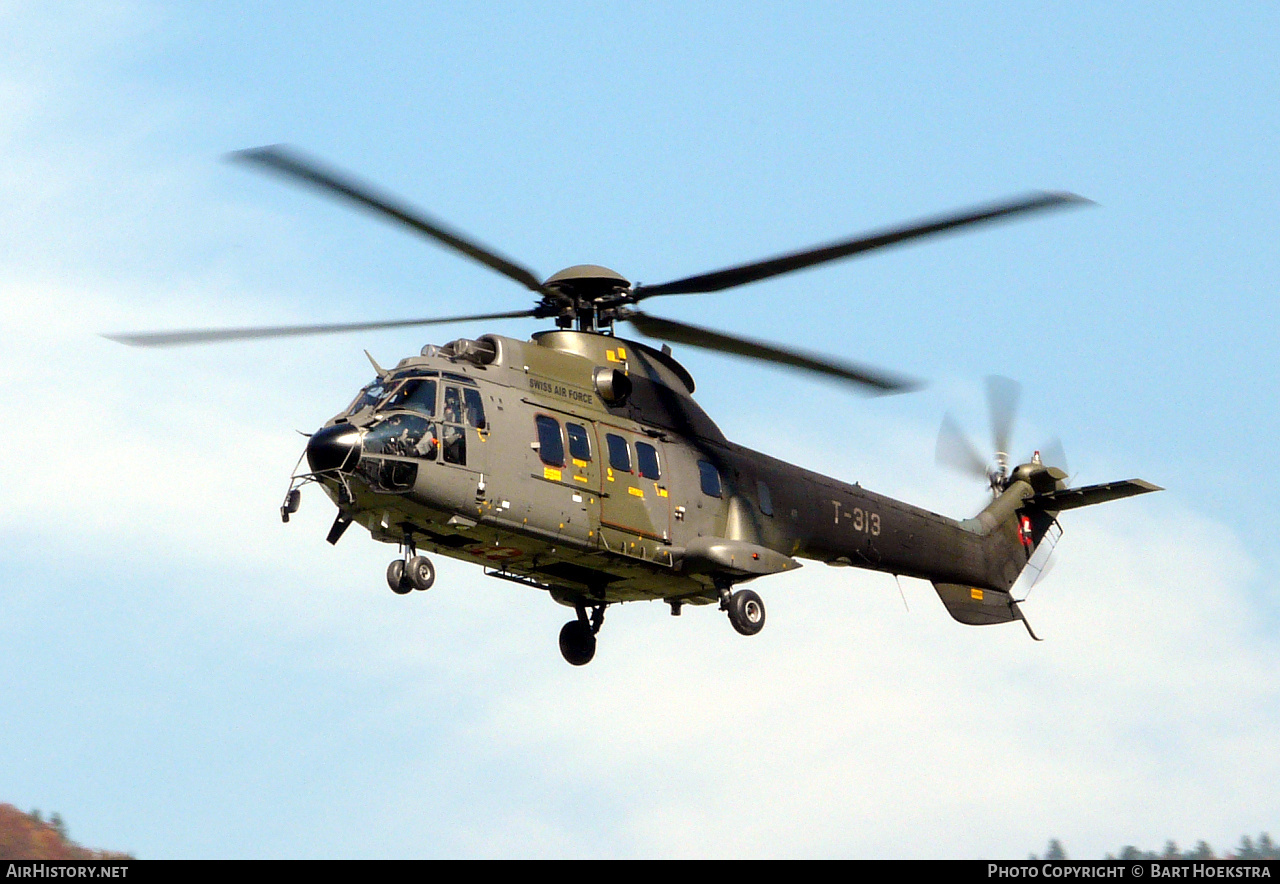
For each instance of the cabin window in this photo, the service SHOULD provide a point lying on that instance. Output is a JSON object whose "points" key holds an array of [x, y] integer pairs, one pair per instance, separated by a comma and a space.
{"points": [[765, 498], [710, 477], [415, 395], [550, 444], [579, 442], [647, 460], [619, 453]]}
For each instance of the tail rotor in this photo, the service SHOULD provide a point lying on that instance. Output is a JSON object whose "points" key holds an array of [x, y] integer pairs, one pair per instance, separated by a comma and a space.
{"points": [[955, 450]]}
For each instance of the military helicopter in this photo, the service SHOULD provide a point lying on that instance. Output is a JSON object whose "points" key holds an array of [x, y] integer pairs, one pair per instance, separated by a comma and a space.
{"points": [[578, 462]]}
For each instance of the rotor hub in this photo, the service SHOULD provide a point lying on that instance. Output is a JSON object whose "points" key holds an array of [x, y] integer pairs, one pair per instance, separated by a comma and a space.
{"points": [[588, 279], [590, 295]]}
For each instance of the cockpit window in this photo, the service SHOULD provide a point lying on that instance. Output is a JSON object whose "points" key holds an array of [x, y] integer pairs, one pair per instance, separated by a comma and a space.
{"points": [[371, 395], [402, 435], [415, 395], [452, 404], [474, 407]]}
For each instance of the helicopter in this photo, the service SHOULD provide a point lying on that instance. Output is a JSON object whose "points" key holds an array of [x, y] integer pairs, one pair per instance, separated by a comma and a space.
{"points": [[578, 462]]}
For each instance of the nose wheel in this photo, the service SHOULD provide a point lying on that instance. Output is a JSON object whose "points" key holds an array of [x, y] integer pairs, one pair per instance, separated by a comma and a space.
{"points": [[578, 637]]}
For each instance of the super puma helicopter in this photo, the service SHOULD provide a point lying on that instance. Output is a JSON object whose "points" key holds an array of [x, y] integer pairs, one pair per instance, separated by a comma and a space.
{"points": [[578, 462]]}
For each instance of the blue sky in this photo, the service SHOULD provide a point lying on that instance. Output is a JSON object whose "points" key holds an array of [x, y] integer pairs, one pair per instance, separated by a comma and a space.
{"points": [[184, 676]]}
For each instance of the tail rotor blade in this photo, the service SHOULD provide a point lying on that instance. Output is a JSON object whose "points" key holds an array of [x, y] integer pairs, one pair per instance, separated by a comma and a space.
{"points": [[1054, 455], [956, 451], [1002, 403]]}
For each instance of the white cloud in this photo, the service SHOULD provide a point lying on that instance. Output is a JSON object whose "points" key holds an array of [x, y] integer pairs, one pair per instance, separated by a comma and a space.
{"points": [[850, 728]]}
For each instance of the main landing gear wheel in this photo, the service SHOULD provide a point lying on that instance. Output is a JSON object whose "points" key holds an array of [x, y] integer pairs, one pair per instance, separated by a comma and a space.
{"points": [[746, 612], [420, 573], [396, 578], [417, 573], [577, 642], [578, 637]]}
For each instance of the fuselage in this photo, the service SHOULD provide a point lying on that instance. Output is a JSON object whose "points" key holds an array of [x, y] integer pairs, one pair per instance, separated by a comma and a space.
{"points": [[580, 463]]}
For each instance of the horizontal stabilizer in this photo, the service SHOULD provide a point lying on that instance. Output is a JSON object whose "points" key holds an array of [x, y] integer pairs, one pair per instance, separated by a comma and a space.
{"points": [[1071, 498], [980, 607], [976, 607]]}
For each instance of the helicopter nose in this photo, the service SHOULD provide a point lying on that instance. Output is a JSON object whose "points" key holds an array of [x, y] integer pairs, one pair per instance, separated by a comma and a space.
{"points": [[334, 448]]}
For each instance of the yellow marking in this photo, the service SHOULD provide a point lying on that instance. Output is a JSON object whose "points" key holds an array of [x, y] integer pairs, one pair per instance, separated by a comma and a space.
{"points": [[579, 463], [611, 355], [609, 475], [975, 594], [577, 478], [638, 492], [551, 473], [662, 492], [622, 353]]}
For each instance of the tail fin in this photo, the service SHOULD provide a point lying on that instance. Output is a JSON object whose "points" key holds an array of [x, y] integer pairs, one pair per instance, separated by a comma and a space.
{"points": [[1014, 525]]}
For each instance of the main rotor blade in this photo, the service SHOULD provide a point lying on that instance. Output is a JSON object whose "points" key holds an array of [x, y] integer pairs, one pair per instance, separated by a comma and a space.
{"points": [[745, 273], [1002, 403], [694, 336], [290, 163], [956, 451], [215, 335]]}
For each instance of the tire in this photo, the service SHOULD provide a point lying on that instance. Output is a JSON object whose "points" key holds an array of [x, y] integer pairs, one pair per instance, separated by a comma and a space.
{"points": [[746, 612], [577, 643], [419, 573], [396, 578]]}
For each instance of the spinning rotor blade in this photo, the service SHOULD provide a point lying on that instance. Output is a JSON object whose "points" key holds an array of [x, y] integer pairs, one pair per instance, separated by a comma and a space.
{"points": [[745, 273], [212, 335], [956, 451], [1002, 404], [694, 336], [1054, 455], [292, 164]]}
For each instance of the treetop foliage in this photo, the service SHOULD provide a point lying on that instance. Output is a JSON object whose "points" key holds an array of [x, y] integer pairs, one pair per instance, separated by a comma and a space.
{"points": [[28, 836]]}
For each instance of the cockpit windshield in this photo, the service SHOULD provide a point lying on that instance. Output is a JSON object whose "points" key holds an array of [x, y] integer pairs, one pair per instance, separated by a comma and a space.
{"points": [[371, 395], [416, 394]]}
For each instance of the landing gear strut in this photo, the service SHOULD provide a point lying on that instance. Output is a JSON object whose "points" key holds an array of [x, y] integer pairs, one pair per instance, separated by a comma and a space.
{"points": [[578, 637]]}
